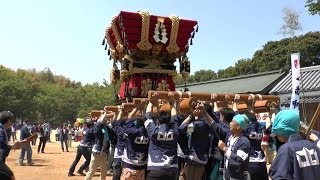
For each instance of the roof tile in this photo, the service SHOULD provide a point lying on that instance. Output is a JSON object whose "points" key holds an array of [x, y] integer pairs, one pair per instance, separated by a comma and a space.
{"points": [[310, 81], [252, 83]]}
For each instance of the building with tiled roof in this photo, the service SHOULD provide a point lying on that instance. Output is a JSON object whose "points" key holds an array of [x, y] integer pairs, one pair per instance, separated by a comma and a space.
{"points": [[260, 83], [309, 91], [309, 85]]}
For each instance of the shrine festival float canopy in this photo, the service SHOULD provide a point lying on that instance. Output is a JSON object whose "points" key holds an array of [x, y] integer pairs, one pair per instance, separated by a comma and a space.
{"points": [[147, 46], [137, 32]]}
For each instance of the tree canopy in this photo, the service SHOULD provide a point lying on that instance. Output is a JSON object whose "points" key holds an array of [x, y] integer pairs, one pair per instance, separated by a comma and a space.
{"points": [[313, 6], [42, 96]]}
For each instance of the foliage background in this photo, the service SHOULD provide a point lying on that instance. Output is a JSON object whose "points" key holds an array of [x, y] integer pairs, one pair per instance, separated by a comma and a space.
{"points": [[44, 97]]}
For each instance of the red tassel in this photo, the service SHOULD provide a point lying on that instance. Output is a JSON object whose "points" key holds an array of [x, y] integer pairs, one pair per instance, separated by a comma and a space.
{"points": [[193, 34], [191, 41], [103, 41], [109, 52], [197, 28]]}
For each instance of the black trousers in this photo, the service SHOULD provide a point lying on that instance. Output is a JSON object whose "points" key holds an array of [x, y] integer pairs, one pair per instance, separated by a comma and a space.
{"points": [[117, 170], [161, 175], [86, 153], [33, 142], [65, 142], [258, 171], [5, 172], [43, 141]]}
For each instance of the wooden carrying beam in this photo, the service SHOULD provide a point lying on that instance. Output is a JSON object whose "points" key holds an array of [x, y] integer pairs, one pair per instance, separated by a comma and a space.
{"points": [[128, 106], [97, 113], [111, 108], [110, 115], [221, 104], [137, 101], [177, 95], [259, 106], [213, 96], [188, 105], [245, 97]]}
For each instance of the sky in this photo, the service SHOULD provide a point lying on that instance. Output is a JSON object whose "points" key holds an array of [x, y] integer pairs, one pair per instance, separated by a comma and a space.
{"points": [[65, 35]]}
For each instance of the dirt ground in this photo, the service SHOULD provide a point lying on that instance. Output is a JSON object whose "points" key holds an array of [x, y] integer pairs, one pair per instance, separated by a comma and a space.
{"points": [[52, 164]]}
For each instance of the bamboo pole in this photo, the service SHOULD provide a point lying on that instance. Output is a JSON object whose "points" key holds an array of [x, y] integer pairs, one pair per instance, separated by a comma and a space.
{"points": [[313, 120]]}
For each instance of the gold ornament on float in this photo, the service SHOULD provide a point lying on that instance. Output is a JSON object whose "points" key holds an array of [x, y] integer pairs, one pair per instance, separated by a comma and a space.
{"points": [[144, 43], [146, 85], [163, 86], [173, 46]]}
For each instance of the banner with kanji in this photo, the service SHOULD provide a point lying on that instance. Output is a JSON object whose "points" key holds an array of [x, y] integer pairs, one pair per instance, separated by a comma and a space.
{"points": [[295, 72]]}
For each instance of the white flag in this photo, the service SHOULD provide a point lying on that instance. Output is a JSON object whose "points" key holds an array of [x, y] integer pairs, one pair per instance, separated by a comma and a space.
{"points": [[295, 72]]}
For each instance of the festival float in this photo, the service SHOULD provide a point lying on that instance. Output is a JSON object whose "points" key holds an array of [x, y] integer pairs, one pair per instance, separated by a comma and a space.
{"points": [[145, 47]]}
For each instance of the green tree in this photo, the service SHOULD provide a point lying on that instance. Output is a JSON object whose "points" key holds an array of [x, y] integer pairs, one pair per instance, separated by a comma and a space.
{"points": [[94, 97], [204, 75], [230, 72], [46, 75], [313, 6], [178, 79], [6, 74], [42, 96], [191, 79], [243, 66], [221, 73], [275, 54]]}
